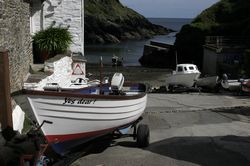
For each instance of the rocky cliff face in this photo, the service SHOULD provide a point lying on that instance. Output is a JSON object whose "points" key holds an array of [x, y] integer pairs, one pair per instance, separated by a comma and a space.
{"points": [[225, 18], [108, 21]]}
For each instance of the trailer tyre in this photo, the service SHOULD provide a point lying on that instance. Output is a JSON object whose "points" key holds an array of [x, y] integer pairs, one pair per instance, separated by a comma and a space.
{"points": [[143, 135], [171, 88]]}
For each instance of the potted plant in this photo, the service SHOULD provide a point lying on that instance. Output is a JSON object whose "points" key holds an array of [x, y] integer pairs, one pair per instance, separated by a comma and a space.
{"points": [[51, 41]]}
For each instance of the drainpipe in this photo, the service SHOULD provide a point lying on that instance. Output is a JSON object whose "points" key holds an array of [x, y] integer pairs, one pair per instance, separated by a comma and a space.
{"points": [[82, 22], [5, 99]]}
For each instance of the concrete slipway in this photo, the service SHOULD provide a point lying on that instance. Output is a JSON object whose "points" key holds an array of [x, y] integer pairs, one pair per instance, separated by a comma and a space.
{"points": [[187, 130]]}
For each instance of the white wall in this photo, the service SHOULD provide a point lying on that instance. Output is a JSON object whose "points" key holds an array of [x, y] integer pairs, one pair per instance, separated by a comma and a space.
{"points": [[64, 13]]}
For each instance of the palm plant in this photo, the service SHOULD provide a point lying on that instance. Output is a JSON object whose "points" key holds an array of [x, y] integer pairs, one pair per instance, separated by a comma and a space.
{"points": [[52, 41]]}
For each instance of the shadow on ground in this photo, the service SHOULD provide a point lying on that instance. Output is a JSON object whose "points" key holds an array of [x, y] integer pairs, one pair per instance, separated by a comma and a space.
{"points": [[238, 110], [206, 151]]}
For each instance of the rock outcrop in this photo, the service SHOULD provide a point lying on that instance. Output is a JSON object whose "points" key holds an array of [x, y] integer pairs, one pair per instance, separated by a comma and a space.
{"points": [[108, 21]]}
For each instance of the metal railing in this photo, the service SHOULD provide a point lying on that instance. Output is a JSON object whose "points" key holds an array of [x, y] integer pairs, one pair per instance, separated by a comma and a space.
{"points": [[225, 41]]}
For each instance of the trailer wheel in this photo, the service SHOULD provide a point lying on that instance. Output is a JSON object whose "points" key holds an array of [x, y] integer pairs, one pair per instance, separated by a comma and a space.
{"points": [[171, 88], [143, 135]]}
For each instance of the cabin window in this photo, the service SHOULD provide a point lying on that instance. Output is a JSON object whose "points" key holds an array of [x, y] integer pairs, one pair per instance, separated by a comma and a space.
{"points": [[185, 68], [179, 69], [191, 68]]}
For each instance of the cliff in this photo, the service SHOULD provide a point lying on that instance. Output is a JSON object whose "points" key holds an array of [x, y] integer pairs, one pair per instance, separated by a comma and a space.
{"points": [[225, 18], [110, 22]]}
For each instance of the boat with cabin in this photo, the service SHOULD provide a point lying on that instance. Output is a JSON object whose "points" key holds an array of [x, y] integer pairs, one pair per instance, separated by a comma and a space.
{"points": [[185, 75]]}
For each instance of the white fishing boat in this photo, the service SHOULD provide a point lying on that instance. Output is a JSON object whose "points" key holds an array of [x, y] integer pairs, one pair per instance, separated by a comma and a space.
{"points": [[232, 85], [185, 75], [68, 86], [83, 114], [116, 61]]}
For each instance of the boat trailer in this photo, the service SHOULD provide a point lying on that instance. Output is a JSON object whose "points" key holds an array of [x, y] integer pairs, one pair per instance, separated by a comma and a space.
{"points": [[141, 133]]}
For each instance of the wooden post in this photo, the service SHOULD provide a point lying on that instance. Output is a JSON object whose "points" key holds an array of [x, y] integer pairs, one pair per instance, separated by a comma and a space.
{"points": [[5, 99]]}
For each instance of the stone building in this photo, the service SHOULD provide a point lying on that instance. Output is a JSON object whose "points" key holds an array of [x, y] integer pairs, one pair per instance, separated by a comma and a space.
{"points": [[62, 13], [223, 55], [15, 37], [19, 20], [15, 40]]}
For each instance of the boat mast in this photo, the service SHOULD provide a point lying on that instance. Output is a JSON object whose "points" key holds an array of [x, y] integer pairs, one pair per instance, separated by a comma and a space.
{"points": [[101, 66], [176, 58]]}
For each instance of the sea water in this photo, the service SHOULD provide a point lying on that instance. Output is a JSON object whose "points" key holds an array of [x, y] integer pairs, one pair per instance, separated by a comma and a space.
{"points": [[132, 50]]}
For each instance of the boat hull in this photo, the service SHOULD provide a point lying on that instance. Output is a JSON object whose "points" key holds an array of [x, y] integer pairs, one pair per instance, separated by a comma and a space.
{"points": [[79, 118], [208, 82], [246, 87], [186, 80]]}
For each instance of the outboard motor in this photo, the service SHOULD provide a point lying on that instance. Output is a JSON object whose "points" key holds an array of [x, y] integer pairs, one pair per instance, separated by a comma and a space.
{"points": [[224, 77], [117, 83]]}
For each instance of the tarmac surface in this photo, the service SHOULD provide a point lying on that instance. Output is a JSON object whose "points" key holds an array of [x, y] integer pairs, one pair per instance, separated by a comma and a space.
{"points": [[185, 130]]}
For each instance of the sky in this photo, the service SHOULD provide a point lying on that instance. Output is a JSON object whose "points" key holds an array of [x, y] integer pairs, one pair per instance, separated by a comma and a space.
{"points": [[169, 8]]}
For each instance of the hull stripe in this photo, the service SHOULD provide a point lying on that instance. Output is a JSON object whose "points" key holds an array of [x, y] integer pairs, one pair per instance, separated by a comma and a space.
{"points": [[84, 106], [68, 137], [82, 112], [58, 117]]}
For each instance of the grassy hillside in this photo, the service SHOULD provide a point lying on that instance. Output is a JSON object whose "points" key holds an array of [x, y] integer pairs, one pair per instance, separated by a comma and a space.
{"points": [[110, 21], [111, 9], [225, 18]]}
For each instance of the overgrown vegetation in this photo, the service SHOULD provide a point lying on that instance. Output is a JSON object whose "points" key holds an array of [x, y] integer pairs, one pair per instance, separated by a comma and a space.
{"points": [[108, 21], [111, 9], [225, 18]]}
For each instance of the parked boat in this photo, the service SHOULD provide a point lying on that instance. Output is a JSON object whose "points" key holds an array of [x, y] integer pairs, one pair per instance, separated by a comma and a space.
{"points": [[185, 75], [84, 114], [116, 61], [246, 87], [76, 84], [208, 82], [232, 85]]}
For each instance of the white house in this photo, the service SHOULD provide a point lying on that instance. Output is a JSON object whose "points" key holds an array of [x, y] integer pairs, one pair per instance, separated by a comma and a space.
{"points": [[64, 13]]}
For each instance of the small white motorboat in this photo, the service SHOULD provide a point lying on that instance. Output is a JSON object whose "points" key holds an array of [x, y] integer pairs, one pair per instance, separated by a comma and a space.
{"points": [[185, 75], [232, 85], [67, 86], [116, 61], [84, 114]]}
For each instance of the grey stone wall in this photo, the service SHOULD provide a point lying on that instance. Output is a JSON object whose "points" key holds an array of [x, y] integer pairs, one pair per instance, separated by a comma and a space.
{"points": [[15, 37]]}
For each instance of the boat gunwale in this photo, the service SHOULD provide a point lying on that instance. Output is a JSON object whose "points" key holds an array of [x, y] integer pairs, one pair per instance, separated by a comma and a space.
{"points": [[74, 93]]}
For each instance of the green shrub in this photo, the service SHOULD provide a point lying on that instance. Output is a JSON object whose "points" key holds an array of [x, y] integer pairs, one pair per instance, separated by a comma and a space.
{"points": [[53, 40]]}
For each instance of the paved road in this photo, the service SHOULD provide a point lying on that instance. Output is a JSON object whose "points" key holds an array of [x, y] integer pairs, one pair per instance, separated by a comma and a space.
{"points": [[186, 130]]}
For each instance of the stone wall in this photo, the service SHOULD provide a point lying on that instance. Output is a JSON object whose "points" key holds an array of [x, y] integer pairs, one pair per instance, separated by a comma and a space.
{"points": [[15, 37], [62, 13]]}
